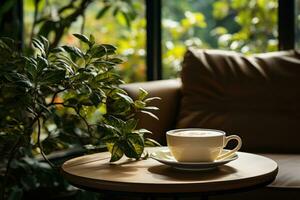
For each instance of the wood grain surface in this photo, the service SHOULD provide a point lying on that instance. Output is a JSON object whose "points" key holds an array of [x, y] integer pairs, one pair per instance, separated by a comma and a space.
{"points": [[149, 176]]}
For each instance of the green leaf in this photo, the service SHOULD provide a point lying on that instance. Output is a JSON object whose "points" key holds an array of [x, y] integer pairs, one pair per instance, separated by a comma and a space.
{"points": [[136, 144], [110, 49], [116, 152], [106, 77], [127, 19], [151, 143], [116, 60], [42, 63], [19, 79], [150, 114], [82, 38], [52, 76], [31, 67], [62, 64], [118, 107], [103, 62], [109, 130], [102, 11], [139, 104], [98, 51], [84, 74], [142, 131], [130, 125], [130, 151], [73, 51], [110, 138], [7, 44], [115, 122], [142, 94], [39, 45], [68, 61], [126, 98], [151, 108], [57, 50], [151, 99], [95, 98], [45, 42]]}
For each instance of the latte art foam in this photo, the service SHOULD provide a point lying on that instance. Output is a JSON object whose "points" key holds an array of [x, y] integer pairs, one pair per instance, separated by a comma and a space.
{"points": [[197, 133]]}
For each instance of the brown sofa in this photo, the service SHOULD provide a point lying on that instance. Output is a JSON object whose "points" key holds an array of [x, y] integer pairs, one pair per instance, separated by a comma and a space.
{"points": [[256, 97]]}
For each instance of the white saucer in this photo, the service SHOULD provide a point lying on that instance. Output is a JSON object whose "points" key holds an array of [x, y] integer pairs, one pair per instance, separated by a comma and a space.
{"points": [[164, 156]]}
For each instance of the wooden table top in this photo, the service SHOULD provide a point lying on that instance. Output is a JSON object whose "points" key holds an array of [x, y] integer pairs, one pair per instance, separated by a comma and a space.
{"points": [[150, 176]]}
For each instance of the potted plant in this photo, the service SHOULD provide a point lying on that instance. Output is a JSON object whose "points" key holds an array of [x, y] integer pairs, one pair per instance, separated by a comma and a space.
{"points": [[58, 99]]}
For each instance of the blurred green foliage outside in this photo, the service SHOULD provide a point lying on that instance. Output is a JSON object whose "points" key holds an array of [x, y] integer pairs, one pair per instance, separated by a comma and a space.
{"points": [[246, 26]]}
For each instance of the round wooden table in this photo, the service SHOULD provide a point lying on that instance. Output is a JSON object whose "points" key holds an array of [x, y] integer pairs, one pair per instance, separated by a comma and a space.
{"points": [[152, 177]]}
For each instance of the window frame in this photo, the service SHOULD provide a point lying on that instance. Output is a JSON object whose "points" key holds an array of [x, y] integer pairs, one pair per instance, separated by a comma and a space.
{"points": [[286, 24], [154, 70], [286, 33]]}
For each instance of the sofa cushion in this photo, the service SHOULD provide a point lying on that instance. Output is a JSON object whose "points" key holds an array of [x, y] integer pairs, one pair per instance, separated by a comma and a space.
{"points": [[256, 97], [286, 184], [265, 193], [288, 174]]}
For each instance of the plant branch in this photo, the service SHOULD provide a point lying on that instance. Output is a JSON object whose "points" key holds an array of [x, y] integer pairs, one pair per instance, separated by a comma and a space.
{"points": [[40, 144], [55, 95], [85, 121], [66, 22], [76, 110], [66, 7]]}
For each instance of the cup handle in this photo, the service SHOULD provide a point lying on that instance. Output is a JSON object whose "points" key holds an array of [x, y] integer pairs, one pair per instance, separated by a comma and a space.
{"points": [[231, 152]]}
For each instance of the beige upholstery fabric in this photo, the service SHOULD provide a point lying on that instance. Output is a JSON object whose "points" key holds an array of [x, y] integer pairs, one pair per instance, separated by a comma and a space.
{"points": [[289, 170], [255, 97], [265, 193], [285, 186]]}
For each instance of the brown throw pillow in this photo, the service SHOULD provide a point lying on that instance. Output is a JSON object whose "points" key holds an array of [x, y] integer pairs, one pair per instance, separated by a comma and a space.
{"points": [[256, 97]]}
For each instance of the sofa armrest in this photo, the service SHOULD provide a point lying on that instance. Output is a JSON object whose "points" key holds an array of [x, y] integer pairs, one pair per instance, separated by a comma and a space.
{"points": [[169, 92]]}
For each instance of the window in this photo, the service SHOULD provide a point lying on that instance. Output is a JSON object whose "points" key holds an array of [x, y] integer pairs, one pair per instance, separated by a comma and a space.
{"points": [[247, 26], [102, 22], [238, 25]]}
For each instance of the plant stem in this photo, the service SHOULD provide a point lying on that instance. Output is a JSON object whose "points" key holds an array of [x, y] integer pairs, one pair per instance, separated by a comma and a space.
{"points": [[66, 22], [55, 94], [40, 144], [76, 110], [68, 6], [84, 120]]}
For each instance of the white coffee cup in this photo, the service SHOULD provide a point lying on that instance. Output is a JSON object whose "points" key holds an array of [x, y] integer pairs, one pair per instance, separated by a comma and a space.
{"points": [[200, 145]]}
